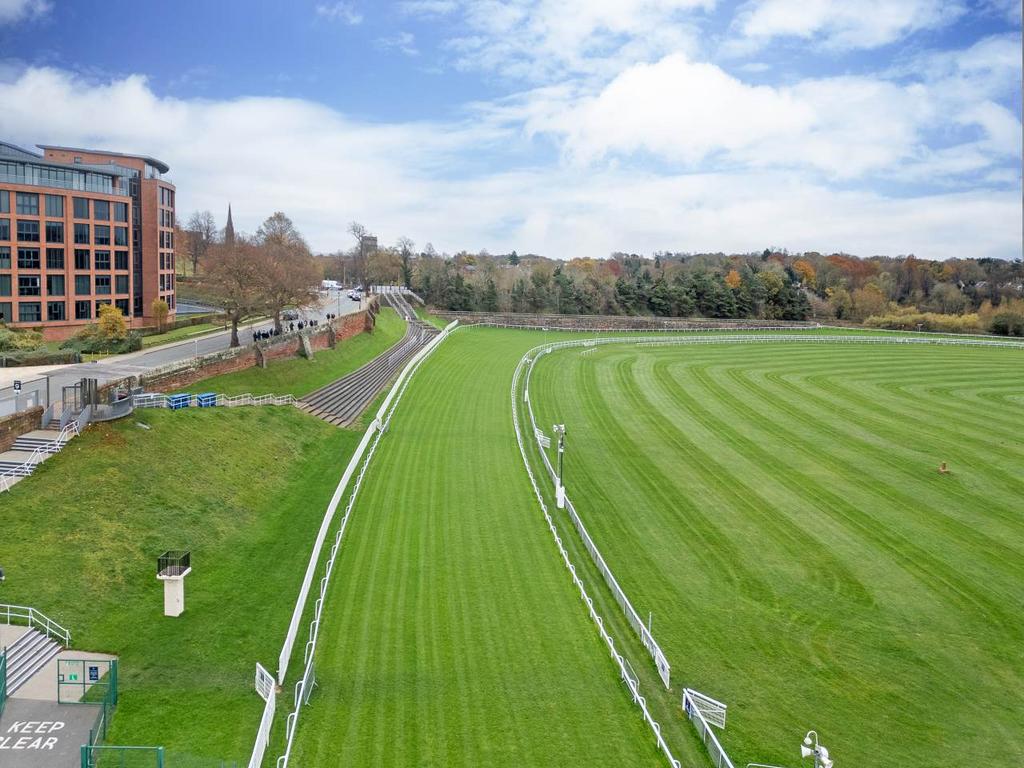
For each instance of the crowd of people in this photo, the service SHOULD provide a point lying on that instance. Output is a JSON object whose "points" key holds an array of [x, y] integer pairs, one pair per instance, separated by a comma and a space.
{"points": [[268, 333]]}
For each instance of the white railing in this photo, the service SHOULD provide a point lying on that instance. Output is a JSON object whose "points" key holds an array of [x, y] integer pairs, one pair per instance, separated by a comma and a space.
{"points": [[373, 433], [38, 455], [33, 618], [660, 661], [632, 682], [160, 400], [704, 731], [263, 733]]}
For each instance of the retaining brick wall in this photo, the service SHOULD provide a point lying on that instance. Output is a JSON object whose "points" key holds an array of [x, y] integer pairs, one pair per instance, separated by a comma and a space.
{"points": [[609, 322], [288, 345], [17, 424]]}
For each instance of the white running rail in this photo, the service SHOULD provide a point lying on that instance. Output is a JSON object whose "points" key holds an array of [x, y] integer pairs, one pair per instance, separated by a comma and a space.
{"points": [[627, 674], [27, 615], [660, 661], [367, 446]]}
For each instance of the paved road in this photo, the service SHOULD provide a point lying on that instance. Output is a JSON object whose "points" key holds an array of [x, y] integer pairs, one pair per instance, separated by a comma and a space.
{"points": [[141, 362]]}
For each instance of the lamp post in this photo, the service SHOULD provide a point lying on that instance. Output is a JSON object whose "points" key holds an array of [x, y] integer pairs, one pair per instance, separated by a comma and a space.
{"points": [[559, 429], [811, 748]]}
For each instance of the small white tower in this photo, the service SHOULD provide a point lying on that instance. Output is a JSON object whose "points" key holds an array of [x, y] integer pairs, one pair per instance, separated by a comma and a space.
{"points": [[171, 568]]}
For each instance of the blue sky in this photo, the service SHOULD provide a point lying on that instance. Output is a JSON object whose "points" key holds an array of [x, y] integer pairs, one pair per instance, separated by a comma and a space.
{"points": [[564, 127]]}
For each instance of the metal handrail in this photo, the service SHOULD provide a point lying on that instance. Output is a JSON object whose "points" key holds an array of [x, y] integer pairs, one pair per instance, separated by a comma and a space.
{"points": [[35, 619]]}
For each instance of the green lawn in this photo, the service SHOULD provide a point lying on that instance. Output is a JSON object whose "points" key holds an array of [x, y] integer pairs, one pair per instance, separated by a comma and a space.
{"points": [[178, 334], [299, 376], [779, 510], [453, 635], [245, 490]]}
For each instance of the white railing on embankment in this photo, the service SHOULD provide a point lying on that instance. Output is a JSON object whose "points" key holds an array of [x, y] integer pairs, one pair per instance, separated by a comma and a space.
{"points": [[628, 676], [160, 400], [38, 455], [24, 614], [360, 459]]}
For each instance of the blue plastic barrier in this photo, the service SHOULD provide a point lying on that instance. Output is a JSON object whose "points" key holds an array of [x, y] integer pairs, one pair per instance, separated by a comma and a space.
{"points": [[177, 402], [206, 399]]}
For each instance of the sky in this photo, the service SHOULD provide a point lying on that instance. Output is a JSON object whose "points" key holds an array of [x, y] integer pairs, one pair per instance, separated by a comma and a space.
{"points": [[568, 128]]}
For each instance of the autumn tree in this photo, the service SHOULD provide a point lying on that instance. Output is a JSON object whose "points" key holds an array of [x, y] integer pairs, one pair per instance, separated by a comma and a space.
{"points": [[160, 310], [291, 275], [111, 323], [236, 274]]}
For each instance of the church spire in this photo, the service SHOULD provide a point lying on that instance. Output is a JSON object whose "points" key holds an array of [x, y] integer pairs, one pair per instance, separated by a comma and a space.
{"points": [[229, 229]]}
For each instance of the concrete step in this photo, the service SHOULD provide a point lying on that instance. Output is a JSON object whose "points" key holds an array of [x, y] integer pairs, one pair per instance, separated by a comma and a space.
{"points": [[16, 459], [39, 438], [26, 656]]}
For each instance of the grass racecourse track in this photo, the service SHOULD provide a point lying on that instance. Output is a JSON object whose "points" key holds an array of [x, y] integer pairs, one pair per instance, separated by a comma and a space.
{"points": [[452, 634], [779, 510]]}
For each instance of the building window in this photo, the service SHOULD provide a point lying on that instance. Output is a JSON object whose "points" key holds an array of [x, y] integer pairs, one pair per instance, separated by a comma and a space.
{"points": [[82, 234], [27, 203], [100, 304], [28, 231], [5, 285], [83, 310], [102, 259], [29, 285], [122, 304], [81, 205], [30, 312], [5, 229], [55, 310], [121, 236], [5, 312], [163, 285], [81, 258], [102, 284], [55, 231], [102, 234], [28, 258], [5, 201], [120, 211], [55, 206], [83, 285], [121, 260], [55, 258], [101, 210], [55, 285], [5, 257], [121, 285]]}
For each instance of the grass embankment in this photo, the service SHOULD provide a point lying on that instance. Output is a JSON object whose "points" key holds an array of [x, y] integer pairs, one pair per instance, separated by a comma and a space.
{"points": [[299, 376], [244, 489], [780, 511], [453, 634], [426, 317]]}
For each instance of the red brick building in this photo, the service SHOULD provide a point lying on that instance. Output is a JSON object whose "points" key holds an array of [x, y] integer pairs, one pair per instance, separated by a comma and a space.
{"points": [[80, 228]]}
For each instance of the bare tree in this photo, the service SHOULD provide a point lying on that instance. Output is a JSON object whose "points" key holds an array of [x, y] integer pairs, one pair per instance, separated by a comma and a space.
{"points": [[236, 275], [358, 231], [292, 274], [202, 233]]}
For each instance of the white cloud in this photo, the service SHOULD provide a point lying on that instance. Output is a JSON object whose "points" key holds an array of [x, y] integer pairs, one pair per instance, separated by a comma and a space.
{"points": [[428, 7], [539, 40], [340, 11], [416, 179], [405, 42], [843, 24], [17, 10], [692, 113]]}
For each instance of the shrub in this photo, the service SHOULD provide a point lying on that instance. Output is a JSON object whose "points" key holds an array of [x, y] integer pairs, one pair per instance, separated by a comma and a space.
{"points": [[92, 340], [926, 321], [1008, 324], [12, 340]]}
